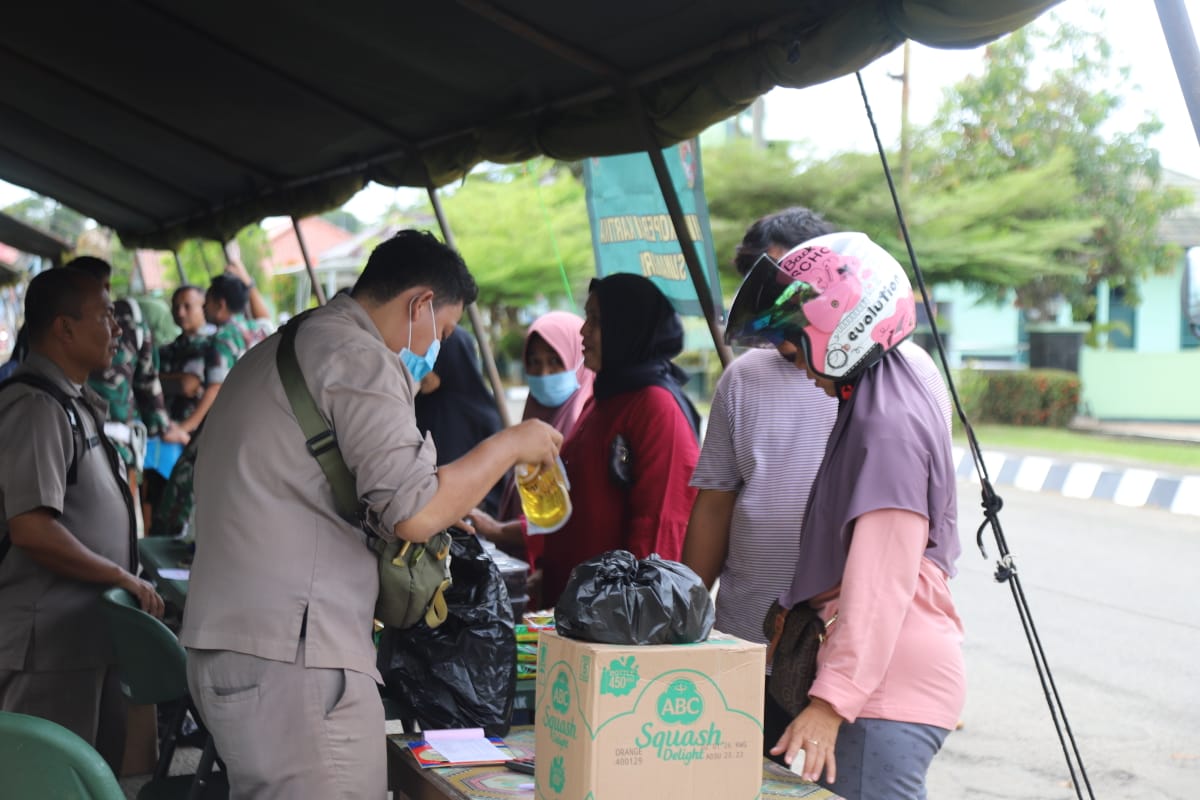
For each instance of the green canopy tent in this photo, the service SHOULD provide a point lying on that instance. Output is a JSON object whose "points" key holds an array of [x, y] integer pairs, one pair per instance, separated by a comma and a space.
{"points": [[28, 239], [175, 119], [168, 120]]}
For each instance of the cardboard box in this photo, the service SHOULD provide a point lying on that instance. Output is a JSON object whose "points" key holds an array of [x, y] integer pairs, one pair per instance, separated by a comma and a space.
{"points": [[621, 722]]}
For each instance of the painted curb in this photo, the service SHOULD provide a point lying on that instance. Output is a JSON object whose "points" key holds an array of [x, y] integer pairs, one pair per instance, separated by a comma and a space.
{"points": [[1127, 486]]}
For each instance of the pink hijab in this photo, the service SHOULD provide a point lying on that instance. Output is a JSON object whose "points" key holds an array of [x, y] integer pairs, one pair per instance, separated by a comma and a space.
{"points": [[560, 330]]}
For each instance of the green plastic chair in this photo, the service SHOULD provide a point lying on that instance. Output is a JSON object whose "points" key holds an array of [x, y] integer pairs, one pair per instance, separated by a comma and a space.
{"points": [[152, 666], [41, 759]]}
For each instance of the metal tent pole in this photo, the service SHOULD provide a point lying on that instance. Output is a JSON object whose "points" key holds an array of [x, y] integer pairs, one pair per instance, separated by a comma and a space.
{"points": [[138, 275], [481, 334], [204, 258], [317, 288], [1181, 41], [686, 243], [179, 269]]}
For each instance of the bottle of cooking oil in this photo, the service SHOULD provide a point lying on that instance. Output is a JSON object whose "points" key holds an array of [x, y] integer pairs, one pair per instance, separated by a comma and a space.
{"points": [[545, 496]]}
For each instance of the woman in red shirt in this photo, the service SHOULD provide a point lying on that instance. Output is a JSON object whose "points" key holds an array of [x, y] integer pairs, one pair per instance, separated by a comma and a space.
{"points": [[642, 503]]}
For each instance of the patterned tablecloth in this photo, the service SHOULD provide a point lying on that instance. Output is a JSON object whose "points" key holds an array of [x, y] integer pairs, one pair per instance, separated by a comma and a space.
{"points": [[500, 783]]}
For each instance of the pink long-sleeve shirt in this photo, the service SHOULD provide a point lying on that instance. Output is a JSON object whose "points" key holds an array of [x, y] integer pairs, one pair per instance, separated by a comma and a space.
{"points": [[895, 649]]}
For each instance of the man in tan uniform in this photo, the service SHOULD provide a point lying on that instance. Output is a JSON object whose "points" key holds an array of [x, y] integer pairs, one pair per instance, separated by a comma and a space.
{"points": [[279, 614], [67, 527]]}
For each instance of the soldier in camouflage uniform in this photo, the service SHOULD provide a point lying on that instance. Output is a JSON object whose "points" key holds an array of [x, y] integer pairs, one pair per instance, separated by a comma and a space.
{"points": [[181, 371], [130, 385], [182, 360]]}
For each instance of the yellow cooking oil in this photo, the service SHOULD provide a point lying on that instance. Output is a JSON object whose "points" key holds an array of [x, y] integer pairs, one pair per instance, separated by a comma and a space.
{"points": [[544, 496]]}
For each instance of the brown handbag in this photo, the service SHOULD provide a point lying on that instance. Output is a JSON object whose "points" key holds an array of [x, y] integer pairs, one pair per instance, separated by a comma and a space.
{"points": [[795, 636]]}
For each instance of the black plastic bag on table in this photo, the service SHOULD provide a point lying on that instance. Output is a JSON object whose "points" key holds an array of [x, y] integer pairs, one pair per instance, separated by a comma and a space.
{"points": [[616, 599], [462, 674]]}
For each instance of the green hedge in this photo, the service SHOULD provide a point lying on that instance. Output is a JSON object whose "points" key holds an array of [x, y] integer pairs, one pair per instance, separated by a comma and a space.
{"points": [[1046, 397]]}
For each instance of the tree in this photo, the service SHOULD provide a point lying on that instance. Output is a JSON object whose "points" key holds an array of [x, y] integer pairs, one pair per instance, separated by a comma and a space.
{"points": [[742, 183], [343, 219], [204, 259], [520, 228], [49, 215], [1046, 94]]}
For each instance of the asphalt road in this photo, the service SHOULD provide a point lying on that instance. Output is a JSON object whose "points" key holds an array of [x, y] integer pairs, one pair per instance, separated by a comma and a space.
{"points": [[1114, 595]]}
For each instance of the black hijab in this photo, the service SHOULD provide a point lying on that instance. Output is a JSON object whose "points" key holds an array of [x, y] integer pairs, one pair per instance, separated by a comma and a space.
{"points": [[461, 412], [639, 335]]}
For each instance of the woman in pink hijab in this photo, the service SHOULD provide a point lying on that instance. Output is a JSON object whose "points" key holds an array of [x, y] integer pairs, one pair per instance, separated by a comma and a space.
{"points": [[559, 386], [553, 353]]}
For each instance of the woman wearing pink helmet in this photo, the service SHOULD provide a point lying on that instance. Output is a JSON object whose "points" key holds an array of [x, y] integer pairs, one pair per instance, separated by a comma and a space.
{"points": [[880, 538]]}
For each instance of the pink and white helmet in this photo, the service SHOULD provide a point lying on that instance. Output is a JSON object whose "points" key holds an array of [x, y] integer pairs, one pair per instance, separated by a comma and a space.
{"points": [[841, 298]]}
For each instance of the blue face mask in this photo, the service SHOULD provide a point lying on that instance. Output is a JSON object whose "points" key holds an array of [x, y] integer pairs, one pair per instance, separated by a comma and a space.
{"points": [[554, 389], [420, 366]]}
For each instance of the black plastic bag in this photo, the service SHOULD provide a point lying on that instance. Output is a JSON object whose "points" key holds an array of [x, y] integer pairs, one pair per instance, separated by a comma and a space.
{"points": [[462, 674], [616, 599]]}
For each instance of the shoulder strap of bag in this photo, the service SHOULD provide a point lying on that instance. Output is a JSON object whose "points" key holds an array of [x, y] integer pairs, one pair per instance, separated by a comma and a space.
{"points": [[320, 440], [68, 406], [49, 387]]}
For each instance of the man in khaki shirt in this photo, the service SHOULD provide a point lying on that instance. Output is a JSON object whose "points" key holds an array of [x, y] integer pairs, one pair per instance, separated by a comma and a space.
{"points": [[279, 614], [65, 519]]}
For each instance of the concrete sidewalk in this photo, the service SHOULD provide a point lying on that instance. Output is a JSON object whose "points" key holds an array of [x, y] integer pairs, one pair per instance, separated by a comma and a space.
{"points": [[1085, 478], [1171, 489], [1154, 431]]}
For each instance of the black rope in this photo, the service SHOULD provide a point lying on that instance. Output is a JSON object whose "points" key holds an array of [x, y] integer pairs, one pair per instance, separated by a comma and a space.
{"points": [[1006, 568]]}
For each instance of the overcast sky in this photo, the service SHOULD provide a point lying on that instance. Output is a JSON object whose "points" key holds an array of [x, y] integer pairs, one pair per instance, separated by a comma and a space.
{"points": [[1130, 26]]}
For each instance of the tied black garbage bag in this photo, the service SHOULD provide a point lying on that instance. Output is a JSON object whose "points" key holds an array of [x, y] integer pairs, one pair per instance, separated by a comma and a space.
{"points": [[616, 599], [462, 674]]}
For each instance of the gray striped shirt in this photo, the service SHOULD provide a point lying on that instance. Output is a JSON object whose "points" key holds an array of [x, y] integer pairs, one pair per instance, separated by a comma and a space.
{"points": [[765, 440]]}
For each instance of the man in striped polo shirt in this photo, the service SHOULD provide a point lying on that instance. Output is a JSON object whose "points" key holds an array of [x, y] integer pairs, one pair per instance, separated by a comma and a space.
{"points": [[765, 441]]}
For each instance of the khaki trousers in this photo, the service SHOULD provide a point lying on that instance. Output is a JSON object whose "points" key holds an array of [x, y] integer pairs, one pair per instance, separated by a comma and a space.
{"points": [[87, 702], [287, 731]]}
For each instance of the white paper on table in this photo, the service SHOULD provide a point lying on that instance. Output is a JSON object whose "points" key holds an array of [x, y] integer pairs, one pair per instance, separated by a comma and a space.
{"points": [[464, 744], [174, 574]]}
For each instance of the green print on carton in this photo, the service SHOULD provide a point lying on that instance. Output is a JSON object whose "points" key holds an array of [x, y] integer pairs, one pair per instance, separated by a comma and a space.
{"points": [[560, 693], [620, 677], [558, 774], [679, 706], [681, 703], [561, 727]]}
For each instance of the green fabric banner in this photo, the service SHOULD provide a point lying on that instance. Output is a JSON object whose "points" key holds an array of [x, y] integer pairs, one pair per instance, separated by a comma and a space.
{"points": [[632, 231]]}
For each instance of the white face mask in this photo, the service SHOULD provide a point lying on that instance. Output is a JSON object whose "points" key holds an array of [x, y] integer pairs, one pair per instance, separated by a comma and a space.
{"points": [[420, 366]]}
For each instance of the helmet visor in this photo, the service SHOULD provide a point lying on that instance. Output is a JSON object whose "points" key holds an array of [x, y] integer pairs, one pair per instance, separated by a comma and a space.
{"points": [[768, 308]]}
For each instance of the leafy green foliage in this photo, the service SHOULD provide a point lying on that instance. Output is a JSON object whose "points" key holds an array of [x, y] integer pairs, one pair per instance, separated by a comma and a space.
{"points": [[515, 225], [49, 215], [1048, 93], [344, 220], [1046, 397], [204, 260]]}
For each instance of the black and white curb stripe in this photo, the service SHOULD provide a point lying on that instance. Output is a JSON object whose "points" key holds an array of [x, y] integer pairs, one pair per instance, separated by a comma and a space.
{"points": [[1127, 486]]}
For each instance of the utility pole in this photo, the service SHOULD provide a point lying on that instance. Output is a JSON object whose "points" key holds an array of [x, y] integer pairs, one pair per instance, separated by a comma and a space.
{"points": [[905, 78], [905, 130], [758, 114]]}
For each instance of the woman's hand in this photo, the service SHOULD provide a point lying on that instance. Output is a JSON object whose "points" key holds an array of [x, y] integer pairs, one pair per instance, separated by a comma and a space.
{"points": [[815, 732], [485, 524], [533, 588]]}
